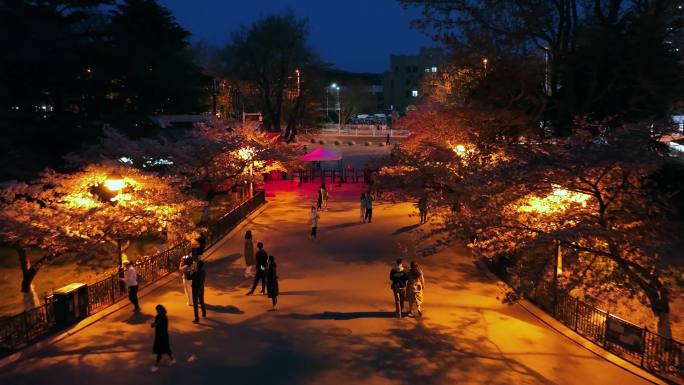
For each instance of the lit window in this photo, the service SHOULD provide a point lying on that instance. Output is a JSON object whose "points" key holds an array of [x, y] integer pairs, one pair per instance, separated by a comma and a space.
{"points": [[434, 69], [414, 93], [427, 70]]}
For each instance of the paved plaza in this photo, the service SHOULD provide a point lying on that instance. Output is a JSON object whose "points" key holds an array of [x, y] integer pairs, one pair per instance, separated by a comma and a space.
{"points": [[335, 321]]}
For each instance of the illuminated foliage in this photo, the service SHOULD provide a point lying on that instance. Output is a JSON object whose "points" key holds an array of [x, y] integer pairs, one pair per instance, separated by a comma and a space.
{"points": [[210, 156], [77, 213]]}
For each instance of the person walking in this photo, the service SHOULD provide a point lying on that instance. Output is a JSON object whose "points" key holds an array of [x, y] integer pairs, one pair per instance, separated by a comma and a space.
{"points": [[198, 278], [388, 139], [272, 282], [324, 194], [362, 207], [423, 209], [186, 274], [369, 207], [161, 338], [416, 285], [131, 280], [313, 217], [261, 266], [398, 279], [319, 199], [250, 260]]}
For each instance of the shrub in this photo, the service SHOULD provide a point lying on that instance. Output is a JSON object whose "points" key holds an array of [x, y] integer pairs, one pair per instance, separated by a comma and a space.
{"points": [[336, 143], [351, 143], [322, 141], [368, 143], [312, 140]]}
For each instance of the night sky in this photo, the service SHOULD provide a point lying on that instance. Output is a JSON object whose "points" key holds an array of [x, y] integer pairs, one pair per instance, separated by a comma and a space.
{"points": [[354, 35]]}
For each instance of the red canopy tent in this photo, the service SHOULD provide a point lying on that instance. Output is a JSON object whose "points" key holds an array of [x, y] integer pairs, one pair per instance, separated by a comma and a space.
{"points": [[321, 154]]}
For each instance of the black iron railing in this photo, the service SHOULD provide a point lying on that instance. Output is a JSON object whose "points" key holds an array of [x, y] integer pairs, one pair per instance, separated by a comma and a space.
{"points": [[228, 221], [332, 175], [30, 326], [653, 352]]}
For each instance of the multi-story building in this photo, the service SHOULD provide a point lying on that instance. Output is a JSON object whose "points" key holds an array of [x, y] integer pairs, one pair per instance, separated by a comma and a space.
{"points": [[402, 82]]}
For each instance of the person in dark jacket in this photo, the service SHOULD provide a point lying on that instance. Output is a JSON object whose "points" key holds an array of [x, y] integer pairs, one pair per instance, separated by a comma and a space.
{"points": [[198, 278], [161, 338], [272, 281], [261, 266], [399, 280], [369, 207], [319, 199]]}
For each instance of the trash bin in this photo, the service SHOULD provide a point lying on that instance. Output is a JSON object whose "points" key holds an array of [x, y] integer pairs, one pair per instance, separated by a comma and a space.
{"points": [[70, 303]]}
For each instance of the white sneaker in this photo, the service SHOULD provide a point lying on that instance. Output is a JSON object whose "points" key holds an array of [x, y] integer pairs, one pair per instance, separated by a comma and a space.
{"points": [[154, 369]]}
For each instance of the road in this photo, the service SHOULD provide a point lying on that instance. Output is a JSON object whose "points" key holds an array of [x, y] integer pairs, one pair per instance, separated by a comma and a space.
{"points": [[334, 324]]}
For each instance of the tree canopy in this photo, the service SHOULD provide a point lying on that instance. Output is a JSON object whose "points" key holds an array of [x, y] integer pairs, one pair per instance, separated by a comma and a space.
{"points": [[607, 59], [267, 54], [70, 67]]}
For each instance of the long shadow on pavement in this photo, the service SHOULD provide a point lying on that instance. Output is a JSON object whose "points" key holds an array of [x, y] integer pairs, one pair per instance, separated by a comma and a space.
{"points": [[340, 316]]}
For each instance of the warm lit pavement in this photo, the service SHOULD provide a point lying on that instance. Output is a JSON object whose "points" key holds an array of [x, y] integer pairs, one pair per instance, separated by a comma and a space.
{"points": [[334, 324]]}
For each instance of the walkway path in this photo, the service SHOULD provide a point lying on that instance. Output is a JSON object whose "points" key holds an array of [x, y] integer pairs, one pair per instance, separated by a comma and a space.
{"points": [[334, 324]]}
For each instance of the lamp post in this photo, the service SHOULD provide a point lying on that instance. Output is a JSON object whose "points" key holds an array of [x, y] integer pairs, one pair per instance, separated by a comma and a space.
{"points": [[327, 108], [484, 63], [107, 192], [338, 107], [248, 154]]}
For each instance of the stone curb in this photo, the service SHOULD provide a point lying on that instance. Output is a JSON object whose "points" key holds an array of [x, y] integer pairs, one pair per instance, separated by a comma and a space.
{"points": [[570, 334], [32, 349]]}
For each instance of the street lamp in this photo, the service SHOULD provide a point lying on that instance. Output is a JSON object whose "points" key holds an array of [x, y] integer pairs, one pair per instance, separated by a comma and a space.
{"points": [[107, 192], [558, 201], [247, 153], [484, 63], [114, 183], [338, 106]]}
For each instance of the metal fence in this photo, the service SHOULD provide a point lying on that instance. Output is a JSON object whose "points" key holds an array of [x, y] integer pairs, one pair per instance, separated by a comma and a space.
{"points": [[362, 130], [653, 352], [227, 222], [332, 175], [31, 325]]}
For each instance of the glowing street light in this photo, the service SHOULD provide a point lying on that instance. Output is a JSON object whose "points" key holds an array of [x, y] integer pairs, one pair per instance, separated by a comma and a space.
{"points": [[338, 106], [484, 63], [247, 153], [114, 183], [558, 201]]}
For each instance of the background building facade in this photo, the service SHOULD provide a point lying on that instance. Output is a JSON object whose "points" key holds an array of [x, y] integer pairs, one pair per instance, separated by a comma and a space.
{"points": [[402, 82]]}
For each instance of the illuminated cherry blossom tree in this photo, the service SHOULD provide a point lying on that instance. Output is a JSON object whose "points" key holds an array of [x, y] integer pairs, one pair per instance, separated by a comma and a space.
{"points": [[210, 156], [95, 210]]}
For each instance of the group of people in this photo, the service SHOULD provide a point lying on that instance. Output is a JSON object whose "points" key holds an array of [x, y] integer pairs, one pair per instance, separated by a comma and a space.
{"points": [[321, 204], [263, 267], [407, 285], [193, 277]]}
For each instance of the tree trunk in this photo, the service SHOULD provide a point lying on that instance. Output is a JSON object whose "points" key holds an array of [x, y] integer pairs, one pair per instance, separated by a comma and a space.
{"points": [[657, 293], [28, 271], [660, 305]]}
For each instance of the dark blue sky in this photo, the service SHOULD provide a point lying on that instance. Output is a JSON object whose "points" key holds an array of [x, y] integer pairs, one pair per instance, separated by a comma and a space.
{"points": [[354, 35]]}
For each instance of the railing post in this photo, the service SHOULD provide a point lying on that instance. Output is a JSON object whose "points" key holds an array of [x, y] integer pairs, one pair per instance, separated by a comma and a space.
{"points": [[643, 346], [605, 331], [113, 287], [26, 328], [576, 313]]}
